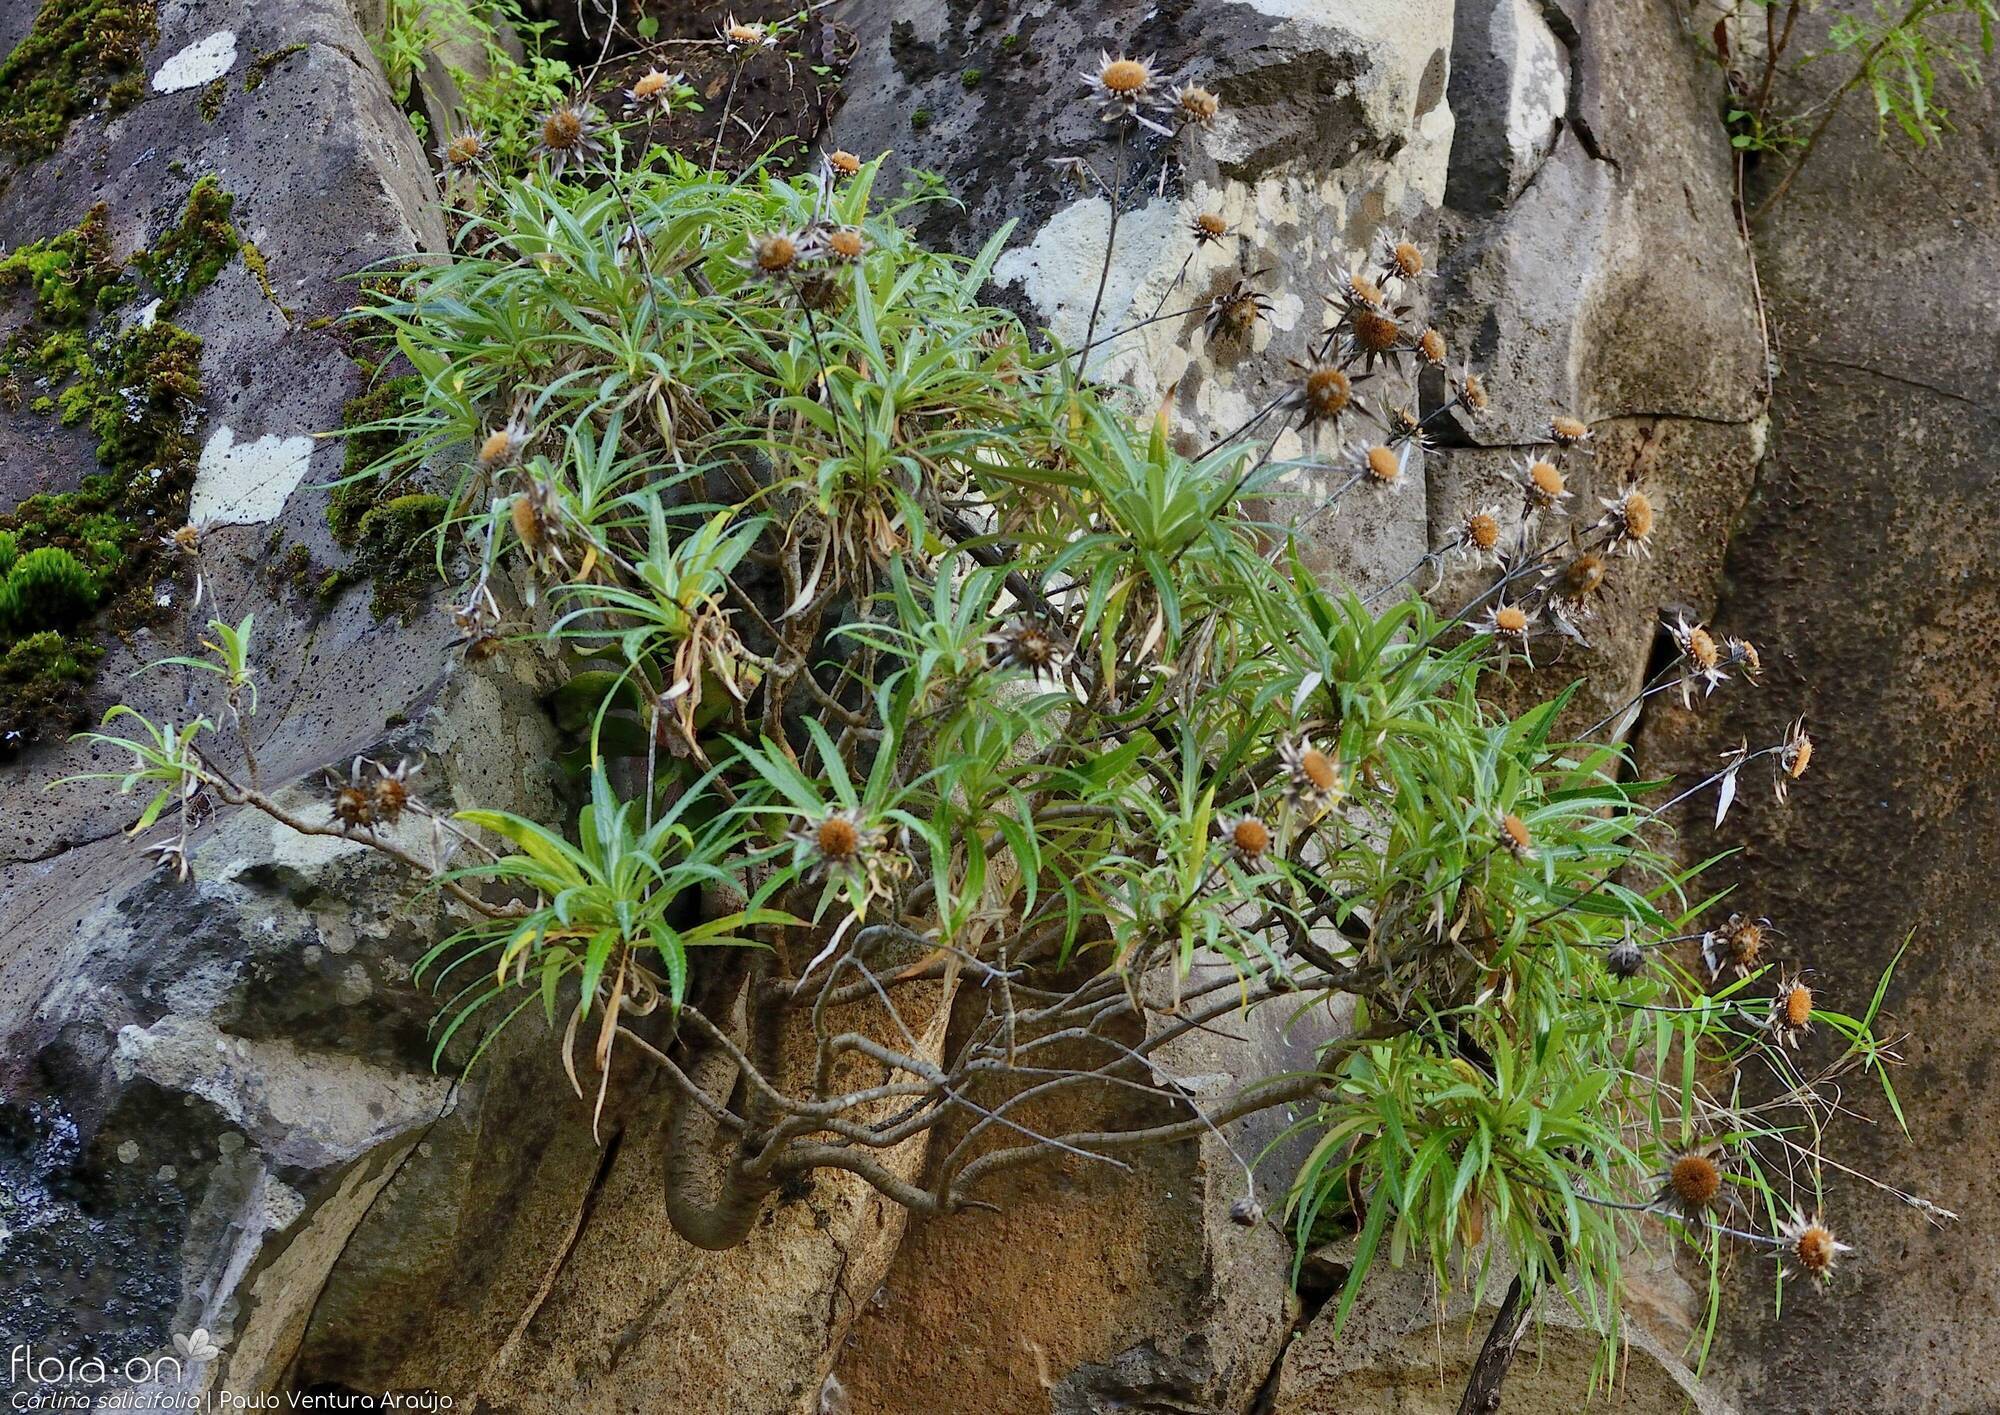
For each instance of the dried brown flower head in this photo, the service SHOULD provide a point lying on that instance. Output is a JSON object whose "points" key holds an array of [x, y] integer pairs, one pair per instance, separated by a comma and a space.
{"points": [[843, 162], [1701, 659], [527, 521], [1402, 259], [1028, 644], [745, 35], [1195, 104], [1629, 517], [1566, 431], [1698, 645], [1581, 577], [569, 135], [1692, 1187], [1479, 535], [1510, 627], [1249, 838], [1735, 945], [463, 150], [1207, 227], [1791, 1012], [774, 255], [389, 793], [1375, 331], [353, 808], [1472, 394], [502, 447], [655, 90], [1797, 753], [1324, 393], [1383, 465], [1123, 76], [1431, 348], [1234, 313], [1543, 486], [1312, 778], [1357, 290], [845, 243], [838, 839], [1810, 1244], [352, 803], [1125, 88]]}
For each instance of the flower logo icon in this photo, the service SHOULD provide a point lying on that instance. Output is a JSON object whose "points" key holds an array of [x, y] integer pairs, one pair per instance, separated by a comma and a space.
{"points": [[197, 1345]]}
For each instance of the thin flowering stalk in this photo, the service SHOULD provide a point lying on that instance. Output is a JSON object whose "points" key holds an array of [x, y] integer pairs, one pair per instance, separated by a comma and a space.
{"points": [[1663, 680], [1420, 651], [1456, 400], [1181, 275], [819, 354], [1255, 418], [1153, 318], [1110, 240], [1651, 1207], [1661, 942], [1735, 766], [1331, 501], [1429, 557], [722, 124]]}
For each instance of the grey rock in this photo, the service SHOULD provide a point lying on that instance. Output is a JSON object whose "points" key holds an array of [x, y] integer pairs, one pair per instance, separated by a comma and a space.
{"points": [[1406, 1349], [1510, 78], [1861, 569], [1614, 287], [1334, 132], [209, 1031]]}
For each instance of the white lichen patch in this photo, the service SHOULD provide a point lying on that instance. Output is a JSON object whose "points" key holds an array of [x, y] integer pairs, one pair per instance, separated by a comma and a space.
{"points": [[1059, 269], [1538, 86], [202, 62], [300, 1107], [246, 484]]}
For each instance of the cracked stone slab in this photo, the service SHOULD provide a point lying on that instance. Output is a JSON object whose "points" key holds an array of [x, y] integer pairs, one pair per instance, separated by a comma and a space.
{"points": [[1334, 131], [328, 179], [300, 1108]]}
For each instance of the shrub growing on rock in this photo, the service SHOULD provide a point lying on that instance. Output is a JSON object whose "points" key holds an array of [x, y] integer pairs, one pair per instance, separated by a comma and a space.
{"points": [[904, 660]]}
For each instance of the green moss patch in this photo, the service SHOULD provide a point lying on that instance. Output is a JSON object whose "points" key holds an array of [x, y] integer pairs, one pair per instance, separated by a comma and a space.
{"points": [[77, 565], [392, 536], [186, 259], [394, 547], [78, 53], [71, 275], [261, 66]]}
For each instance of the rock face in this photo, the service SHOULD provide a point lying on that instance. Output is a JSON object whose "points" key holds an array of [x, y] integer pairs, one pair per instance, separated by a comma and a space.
{"points": [[1611, 286], [1334, 132], [221, 1109], [1856, 556], [197, 1064], [1404, 1351], [1579, 186]]}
